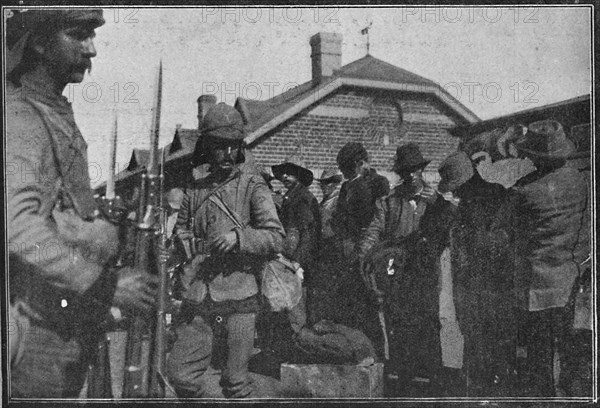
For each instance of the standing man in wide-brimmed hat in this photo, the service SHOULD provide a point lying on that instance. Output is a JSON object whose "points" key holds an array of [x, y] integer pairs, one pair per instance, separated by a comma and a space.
{"points": [[61, 285], [551, 247], [230, 218], [299, 214], [418, 218]]}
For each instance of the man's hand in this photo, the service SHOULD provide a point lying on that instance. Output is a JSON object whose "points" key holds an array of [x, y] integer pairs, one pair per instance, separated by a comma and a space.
{"points": [[136, 291], [224, 243]]}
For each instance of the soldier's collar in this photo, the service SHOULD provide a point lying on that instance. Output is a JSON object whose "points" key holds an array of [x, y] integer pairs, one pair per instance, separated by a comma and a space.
{"points": [[38, 85]]}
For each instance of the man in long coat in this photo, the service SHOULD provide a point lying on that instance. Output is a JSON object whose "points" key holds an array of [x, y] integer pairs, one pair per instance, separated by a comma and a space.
{"points": [[418, 219], [551, 244]]}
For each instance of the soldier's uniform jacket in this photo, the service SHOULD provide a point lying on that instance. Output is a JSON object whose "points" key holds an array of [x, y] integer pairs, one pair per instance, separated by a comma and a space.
{"points": [[57, 249], [231, 276]]}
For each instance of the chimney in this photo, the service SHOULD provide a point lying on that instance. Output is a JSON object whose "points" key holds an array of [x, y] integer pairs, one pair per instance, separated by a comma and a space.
{"points": [[326, 55], [205, 102]]}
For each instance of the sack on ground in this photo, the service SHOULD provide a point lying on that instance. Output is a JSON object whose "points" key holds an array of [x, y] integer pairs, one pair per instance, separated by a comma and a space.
{"points": [[331, 343]]}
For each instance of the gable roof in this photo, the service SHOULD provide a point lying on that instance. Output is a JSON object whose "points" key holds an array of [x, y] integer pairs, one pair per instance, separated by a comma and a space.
{"points": [[182, 145], [184, 139], [139, 158], [375, 69], [367, 72]]}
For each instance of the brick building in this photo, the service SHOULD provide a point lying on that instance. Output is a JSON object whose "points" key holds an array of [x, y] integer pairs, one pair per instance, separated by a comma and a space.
{"points": [[368, 100]]}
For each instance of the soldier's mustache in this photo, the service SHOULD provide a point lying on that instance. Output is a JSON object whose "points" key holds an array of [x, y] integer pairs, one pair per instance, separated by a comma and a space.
{"points": [[85, 66]]}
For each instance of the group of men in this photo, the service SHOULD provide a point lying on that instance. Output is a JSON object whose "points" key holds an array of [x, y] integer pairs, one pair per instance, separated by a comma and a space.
{"points": [[380, 249]]}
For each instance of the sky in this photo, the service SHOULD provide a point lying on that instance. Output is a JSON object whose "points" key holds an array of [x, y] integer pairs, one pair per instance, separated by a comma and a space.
{"points": [[495, 61]]}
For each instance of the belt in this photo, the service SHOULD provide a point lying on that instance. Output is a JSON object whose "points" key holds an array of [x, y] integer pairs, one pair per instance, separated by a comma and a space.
{"points": [[209, 309]]}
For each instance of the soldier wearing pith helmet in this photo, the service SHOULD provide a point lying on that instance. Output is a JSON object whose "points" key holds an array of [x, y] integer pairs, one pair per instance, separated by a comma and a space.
{"points": [[230, 218]]}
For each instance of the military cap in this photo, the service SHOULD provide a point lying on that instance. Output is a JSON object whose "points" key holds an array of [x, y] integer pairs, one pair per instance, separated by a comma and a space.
{"points": [[21, 24]]}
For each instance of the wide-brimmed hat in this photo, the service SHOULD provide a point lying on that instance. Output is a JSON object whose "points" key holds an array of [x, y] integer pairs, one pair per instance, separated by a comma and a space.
{"points": [[350, 153], [293, 166], [545, 139], [21, 24], [222, 123], [331, 175], [455, 170], [409, 157]]}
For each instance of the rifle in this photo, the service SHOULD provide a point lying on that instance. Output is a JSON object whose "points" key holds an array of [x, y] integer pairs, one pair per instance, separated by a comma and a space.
{"points": [[144, 355], [99, 378]]}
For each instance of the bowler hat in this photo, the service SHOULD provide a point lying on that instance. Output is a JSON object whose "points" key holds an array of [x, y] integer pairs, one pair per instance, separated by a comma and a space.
{"points": [[350, 153], [331, 175], [455, 170], [295, 167], [545, 139], [409, 158]]}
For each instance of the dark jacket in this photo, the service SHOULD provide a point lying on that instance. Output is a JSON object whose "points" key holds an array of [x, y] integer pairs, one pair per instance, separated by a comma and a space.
{"points": [[551, 209], [231, 276], [358, 216], [301, 220], [56, 245], [483, 239]]}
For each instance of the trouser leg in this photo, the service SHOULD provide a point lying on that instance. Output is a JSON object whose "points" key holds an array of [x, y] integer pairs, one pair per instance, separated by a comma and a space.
{"points": [[236, 380], [190, 357], [50, 366], [540, 353]]}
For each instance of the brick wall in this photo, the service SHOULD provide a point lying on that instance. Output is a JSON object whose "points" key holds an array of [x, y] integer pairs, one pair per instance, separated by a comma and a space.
{"points": [[373, 119]]}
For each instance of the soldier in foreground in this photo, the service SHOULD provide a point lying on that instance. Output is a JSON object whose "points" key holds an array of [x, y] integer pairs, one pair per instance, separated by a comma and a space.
{"points": [[61, 287], [232, 222]]}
